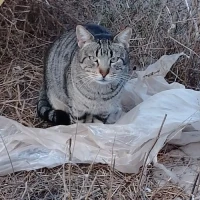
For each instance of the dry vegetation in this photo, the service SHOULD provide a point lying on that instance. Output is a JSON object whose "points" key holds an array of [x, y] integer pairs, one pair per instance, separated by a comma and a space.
{"points": [[27, 27]]}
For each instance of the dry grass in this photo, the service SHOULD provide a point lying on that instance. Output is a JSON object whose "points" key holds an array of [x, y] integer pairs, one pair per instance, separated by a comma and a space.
{"points": [[48, 184], [27, 27]]}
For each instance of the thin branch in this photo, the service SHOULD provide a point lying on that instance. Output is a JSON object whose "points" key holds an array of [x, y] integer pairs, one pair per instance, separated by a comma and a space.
{"points": [[13, 171], [147, 156], [195, 185]]}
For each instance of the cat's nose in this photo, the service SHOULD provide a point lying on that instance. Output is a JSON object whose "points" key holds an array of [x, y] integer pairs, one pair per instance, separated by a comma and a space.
{"points": [[104, 72]]}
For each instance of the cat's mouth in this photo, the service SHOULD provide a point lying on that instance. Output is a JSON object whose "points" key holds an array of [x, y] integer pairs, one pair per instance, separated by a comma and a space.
{"points": [[103, 81]]}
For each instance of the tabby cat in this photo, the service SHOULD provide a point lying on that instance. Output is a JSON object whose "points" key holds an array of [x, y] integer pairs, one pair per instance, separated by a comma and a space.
{"points": [[85, 72]]}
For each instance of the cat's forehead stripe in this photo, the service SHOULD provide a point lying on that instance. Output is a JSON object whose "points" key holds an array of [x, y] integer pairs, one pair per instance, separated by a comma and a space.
{"points": [[104, 47]]}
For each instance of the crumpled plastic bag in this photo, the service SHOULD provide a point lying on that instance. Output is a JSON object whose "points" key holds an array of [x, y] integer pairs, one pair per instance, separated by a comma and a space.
{"points": [[125, 143], [1, 1]]}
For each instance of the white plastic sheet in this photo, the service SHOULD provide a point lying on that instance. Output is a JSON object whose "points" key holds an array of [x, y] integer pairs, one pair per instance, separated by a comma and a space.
{"points": [[127, 141]]}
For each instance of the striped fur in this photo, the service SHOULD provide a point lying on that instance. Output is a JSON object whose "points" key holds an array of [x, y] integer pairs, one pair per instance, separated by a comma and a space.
{"points": [[84, 75]]}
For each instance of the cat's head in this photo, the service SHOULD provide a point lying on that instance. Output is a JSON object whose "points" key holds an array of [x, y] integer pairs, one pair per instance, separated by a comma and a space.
{"points": [[104, 60]]}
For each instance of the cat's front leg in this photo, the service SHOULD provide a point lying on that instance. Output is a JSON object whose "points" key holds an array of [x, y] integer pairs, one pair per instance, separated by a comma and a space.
{"points": [[86, 118], [114, 116]]}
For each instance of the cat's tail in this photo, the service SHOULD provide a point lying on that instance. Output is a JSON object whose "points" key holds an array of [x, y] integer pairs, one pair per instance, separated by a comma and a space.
{"points": [[47, 113]]}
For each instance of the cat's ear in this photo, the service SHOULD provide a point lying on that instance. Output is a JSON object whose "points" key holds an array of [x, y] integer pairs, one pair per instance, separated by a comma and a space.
{"points": [[124, 37], [83, 35]]}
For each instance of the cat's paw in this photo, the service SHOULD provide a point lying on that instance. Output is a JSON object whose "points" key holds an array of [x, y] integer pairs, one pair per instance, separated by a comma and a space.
{"points": [[115, 116], [61, 118]]}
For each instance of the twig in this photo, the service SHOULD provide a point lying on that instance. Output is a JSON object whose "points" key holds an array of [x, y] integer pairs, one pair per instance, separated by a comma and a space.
{"points": [[64, 183], [101, 189], [9, 158], [147, 156], [40, 178], [184, 46], [194, 21], [88, 174], [112, 171], [155, 26], [70, 159], [26, 187], [195, 185], [93, 192], [89, 192]]}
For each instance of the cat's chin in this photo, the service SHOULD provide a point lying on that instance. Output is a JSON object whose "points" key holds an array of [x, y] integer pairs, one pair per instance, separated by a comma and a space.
{"points": [[102, 82]]}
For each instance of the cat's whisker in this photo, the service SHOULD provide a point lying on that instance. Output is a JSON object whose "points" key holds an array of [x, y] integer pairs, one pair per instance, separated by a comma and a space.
{"points": [[122, 77], [85, 83], [84, 76]]}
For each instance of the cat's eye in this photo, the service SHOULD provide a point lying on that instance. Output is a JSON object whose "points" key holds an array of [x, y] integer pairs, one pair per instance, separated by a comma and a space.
{"points": [[118, 68], [114, 60], [92, 58]]}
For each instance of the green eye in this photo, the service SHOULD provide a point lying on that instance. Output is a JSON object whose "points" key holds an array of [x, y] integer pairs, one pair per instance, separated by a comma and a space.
{"points": [[114, 60], [92, 58]]}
